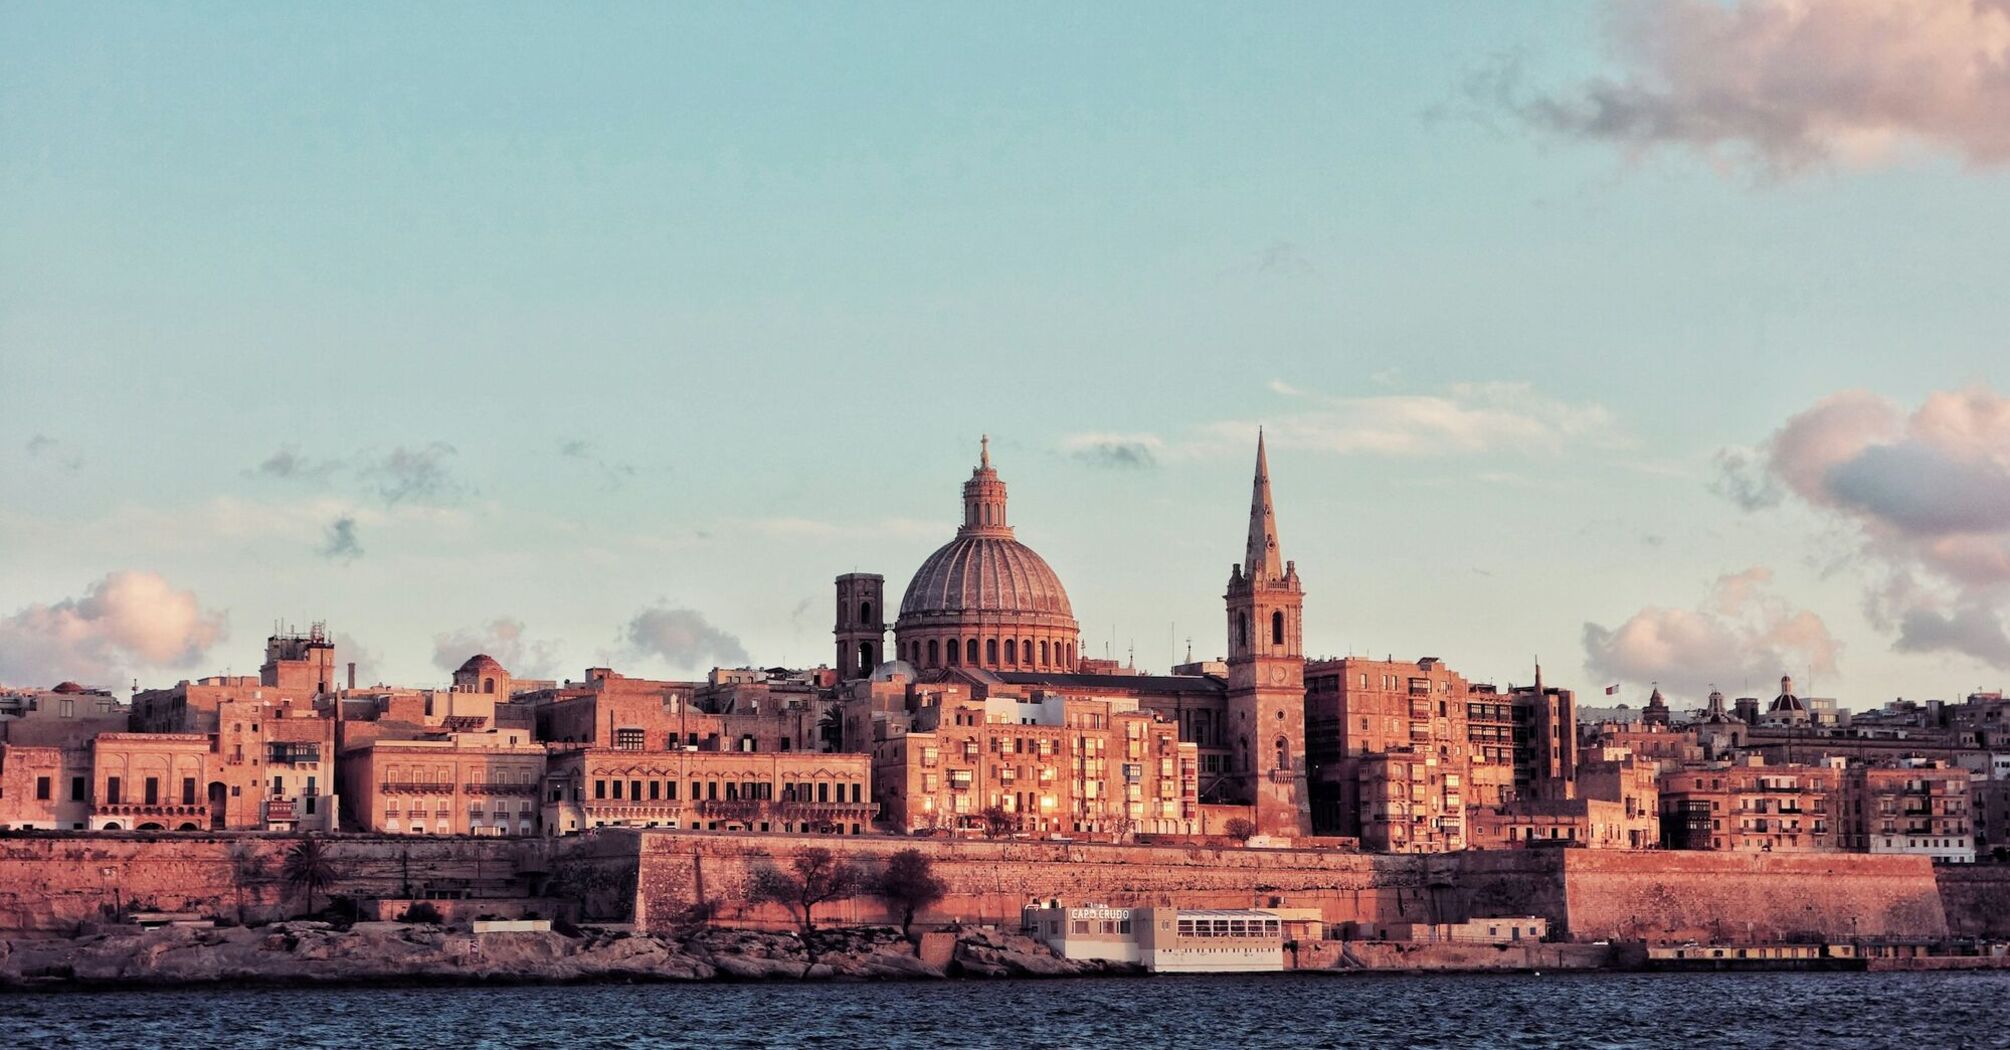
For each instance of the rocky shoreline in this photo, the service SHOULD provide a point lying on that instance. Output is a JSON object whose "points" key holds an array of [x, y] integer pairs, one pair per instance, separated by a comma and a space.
{"points": [[301, 953]]}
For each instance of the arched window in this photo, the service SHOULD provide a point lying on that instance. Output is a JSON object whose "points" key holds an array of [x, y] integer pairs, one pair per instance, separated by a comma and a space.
{"points": [[932, 652], [991, 651], [865, 661], [1283, 753], [1011, 651], [865, 612], [488, 685], [1242, 629], [1043, 652], [1277, 627], [954, 650], [971, 653], [1026, 652]]}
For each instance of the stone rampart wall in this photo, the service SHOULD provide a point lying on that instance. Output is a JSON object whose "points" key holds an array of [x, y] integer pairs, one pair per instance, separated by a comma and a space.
{"points": [[1675, 896], [1977, 898]]}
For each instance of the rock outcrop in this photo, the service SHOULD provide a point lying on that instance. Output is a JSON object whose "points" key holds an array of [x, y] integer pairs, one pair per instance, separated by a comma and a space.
{"points": [[315, 952]]}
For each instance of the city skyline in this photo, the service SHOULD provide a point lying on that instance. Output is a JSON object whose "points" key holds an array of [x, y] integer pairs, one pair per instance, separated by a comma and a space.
{"points": [[615, 347]]}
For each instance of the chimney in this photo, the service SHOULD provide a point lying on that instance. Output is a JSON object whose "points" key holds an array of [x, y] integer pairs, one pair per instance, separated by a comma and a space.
{"points": [[352, 675]]}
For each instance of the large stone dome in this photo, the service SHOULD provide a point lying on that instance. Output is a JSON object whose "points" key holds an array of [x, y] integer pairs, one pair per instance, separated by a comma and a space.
{"points": [[984, 599], [985, 574]]}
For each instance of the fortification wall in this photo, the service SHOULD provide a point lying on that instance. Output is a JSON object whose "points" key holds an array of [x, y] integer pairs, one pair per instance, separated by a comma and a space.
{"points": [[1674, 896], [989, 882], [48, 884], [1977, 899]]}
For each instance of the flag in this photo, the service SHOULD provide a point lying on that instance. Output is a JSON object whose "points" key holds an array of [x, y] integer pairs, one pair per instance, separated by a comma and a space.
{"points": [[1612, 690]]}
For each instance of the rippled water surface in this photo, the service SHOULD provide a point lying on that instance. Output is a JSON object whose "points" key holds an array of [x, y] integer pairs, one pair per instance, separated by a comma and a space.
{"points": [[1914, 1011]]}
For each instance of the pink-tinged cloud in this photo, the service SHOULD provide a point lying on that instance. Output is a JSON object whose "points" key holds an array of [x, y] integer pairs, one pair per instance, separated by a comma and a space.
{"points": [[1792, 83], [1741, 635], [1929, 495], [126, 623]]}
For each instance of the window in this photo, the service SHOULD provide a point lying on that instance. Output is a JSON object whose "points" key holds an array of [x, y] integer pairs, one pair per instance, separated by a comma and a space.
{"points": [[77, 789], [1277, 627], [991, 650], [600, 789], [934, 652], [628, 738], [42, 788], [153, 791], [188, 791], [971, 651]]}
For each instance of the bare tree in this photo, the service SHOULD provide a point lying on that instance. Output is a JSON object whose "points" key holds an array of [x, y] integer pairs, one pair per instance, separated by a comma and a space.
{"points": [[815, 876], [910, 885], [1241, 829], [998, 822]]}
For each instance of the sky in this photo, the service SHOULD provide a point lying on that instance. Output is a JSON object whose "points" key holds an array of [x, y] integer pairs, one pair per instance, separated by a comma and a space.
{"points": [[1661, 342]]}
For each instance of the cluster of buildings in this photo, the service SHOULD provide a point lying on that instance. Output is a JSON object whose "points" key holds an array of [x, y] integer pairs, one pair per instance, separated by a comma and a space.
{"points": [[974, 712]]}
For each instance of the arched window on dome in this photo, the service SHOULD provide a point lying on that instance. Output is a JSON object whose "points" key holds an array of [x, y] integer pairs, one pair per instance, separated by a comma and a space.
{"points": [[1043, 652], [1026, 651], [970, 656], [932, 652], [953, 650], [1277, 627], [1011, 651], [991, 651]]}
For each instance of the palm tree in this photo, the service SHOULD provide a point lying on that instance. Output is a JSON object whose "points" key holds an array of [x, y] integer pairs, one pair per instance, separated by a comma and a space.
{"points": [[308, 867]]}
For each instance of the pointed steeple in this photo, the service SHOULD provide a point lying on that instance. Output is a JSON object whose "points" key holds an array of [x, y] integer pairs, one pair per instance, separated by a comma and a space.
{"points": [[1262, 560]]}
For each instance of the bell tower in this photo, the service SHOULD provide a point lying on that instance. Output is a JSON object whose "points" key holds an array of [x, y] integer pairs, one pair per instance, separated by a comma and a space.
{"points": [[861, 624], [1266, 671]]}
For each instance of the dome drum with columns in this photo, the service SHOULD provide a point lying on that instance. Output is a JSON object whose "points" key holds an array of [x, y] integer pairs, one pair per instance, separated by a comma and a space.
{"points": [[984, 599]]}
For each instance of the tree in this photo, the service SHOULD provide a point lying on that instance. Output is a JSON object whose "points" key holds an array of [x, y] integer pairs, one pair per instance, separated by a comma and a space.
{"points": [[1241, 829], [308, 868], [815, 876], [998, 822], [909, 884]]}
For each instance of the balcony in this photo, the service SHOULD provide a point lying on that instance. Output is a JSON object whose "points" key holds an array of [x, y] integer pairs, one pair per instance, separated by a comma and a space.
{"points": [[525, 790], [408, 787], [279, 809], [293, 754], [142, 810]]}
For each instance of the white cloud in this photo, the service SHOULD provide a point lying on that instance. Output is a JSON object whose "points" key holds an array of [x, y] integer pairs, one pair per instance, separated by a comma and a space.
{"points": [[128, 622], [1928, 496], [1741, 633], [1792, 83], [1465, 419]]}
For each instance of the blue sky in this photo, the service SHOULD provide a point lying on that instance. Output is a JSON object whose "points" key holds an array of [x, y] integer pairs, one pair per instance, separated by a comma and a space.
{"points": [[573, 314]]}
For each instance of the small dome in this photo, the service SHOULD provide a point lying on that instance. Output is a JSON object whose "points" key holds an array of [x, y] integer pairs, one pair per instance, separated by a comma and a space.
{"points": [[479, 663], [887, 671], [67, 687]]}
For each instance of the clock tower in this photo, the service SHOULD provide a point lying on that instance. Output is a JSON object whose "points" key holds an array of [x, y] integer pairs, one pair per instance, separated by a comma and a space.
{"points": [[1266, 672]]}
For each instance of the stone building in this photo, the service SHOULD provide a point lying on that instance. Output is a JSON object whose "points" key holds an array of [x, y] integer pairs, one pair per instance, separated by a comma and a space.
{"points": [[45, 755], [702, 790], [1045, 764], [1387, 743], [1922, 808], [481, 782], [1749, 805]]}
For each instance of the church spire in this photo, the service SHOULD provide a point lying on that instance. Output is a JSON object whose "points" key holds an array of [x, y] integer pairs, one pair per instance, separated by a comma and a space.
{"points": [[1262, 561]]}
